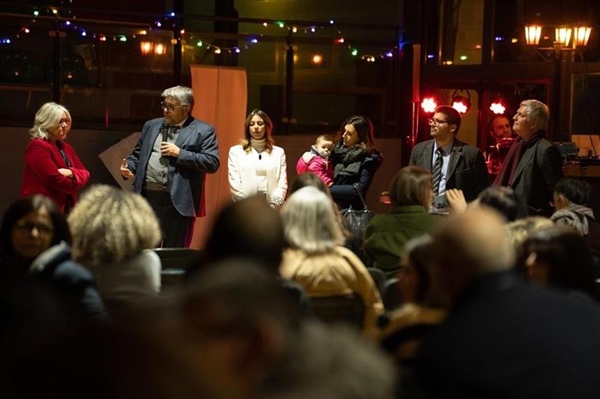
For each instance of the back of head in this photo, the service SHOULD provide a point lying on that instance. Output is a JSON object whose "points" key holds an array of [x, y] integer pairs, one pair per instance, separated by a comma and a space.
{"points": [[310, 221], [411, 186], [249, 228], [565, 255], [468, 245], [110, 225], [452, 116], [417, 251], [502, 199], [517, 231], [308, 179], [576, 191]]}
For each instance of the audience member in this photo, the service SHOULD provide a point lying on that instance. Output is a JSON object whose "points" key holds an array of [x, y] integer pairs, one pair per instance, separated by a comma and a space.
{"points": [[170, 162], [533, 165], [500, 128], [355, 161], [34, 249], [404, 328], [317, 160], [386, 235], [252, 230], [257, 165], [518, 230], [316, 258], [114, 233], [502, 337], [570, 201], [52, 167], [452, 163], [502, 199], [558, 256]]}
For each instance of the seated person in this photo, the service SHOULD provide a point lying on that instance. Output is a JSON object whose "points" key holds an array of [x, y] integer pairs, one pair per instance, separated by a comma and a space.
{"points": [[317, 160], [386, 234]]}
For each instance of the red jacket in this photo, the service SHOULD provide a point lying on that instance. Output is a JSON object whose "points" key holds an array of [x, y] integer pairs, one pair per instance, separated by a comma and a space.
{"points": [[41, 176]]}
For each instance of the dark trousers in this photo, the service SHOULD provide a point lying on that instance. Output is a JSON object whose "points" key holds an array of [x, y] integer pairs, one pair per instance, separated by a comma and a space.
{"points": [[176, 229]]}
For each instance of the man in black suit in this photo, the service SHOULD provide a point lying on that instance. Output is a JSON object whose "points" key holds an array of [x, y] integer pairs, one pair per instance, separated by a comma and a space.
{"points": [[463, 166], [504, 338], [533, 165]]}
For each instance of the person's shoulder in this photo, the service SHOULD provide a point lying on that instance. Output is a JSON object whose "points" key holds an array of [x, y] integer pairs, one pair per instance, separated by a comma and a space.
{"points": [[466, 146], [278, 150], [198, 124], [236, 149], [38, 142], [155, 121], [422, 144]]}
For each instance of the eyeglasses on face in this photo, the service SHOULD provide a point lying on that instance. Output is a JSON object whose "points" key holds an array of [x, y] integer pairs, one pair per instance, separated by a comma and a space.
{"points": [[436, 122], [170, 108], [27, 227]]}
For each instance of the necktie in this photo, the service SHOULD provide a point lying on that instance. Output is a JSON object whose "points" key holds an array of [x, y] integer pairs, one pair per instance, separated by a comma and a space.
{"points": [[436, 173]]}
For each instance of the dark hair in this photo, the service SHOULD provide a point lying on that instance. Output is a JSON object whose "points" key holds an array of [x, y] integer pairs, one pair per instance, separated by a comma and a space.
{"points": [[410, 186], [503, 199], [452, 115], [563, 250], [575, 190], [491, 122], [308, 179], [250, 229], [418, 252], [268, 130], [364, 129], [22, 207]]}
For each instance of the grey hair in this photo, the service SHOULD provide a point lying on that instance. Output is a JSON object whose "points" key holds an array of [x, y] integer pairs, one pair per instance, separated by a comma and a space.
{"points": [[47, 116], [184, 94], [310, 221], [537, 112], [110, 225]]}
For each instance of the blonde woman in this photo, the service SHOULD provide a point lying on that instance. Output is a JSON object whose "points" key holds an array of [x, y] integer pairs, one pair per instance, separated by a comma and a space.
{"points": [[257, 165], [52, 167], [316, 258], [114, 232]]}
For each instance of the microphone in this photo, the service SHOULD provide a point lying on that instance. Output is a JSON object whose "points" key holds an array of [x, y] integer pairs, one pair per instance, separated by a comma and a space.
{"points": [[164, 130]]}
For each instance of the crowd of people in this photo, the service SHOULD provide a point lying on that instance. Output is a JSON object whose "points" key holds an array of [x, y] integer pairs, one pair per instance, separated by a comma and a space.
{"points": [[495, 283]]}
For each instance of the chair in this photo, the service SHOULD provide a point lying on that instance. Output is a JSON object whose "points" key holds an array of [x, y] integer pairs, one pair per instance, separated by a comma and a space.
{"points": [[391, 294], [174, 263], [347, 309], [378, 278]]}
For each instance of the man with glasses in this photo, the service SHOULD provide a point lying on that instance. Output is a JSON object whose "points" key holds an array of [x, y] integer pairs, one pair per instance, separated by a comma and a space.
{"points": [[170, 162], [453, 164]]}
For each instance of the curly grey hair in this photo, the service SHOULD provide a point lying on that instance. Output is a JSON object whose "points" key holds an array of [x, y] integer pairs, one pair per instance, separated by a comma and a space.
{"points": [[110, 225], [537, 112]]}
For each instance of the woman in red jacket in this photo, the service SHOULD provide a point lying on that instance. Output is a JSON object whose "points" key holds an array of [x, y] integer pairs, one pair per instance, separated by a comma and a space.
{"points": [[51, 166]]}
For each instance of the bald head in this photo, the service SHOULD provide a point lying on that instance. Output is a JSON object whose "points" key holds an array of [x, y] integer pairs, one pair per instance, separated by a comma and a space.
{"points": [[468, 245]]}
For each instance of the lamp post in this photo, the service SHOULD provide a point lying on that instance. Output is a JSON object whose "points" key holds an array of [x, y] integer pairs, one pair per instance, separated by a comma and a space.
{"points": [[568, 41]]}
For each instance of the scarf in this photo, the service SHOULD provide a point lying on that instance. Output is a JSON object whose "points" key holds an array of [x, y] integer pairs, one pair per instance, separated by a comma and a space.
{"points": [[513, 158], [348, 160], [258, 145], [577, 216]]}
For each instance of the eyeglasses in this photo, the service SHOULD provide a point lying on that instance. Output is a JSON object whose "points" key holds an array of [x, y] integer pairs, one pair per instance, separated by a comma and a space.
{"points": [[170, 108], [436, 122], [27, 227]]}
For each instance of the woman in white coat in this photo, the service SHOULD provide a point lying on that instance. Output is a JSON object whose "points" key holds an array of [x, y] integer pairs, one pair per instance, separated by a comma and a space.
{"points": [[256, 165]]}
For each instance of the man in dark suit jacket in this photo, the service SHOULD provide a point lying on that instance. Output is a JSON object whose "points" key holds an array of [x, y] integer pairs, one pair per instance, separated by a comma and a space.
{"points": [[463, 167], [533, 165], [170, 162], [504, 338]]}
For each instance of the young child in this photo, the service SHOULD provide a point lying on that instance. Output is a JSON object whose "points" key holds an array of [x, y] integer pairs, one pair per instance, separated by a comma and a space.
{"points": [[317, 160]]}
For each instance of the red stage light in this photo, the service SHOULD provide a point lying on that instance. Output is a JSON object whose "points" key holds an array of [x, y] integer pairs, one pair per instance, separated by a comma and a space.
{"points": [[429, 104], [461, 104], [497, 107]]}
